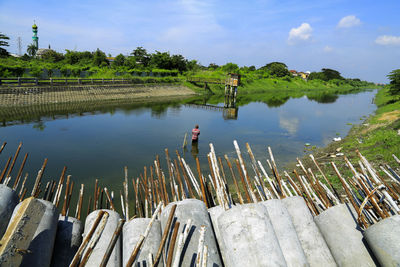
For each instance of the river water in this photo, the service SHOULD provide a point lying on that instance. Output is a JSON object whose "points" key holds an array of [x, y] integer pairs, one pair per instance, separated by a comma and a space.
{"points": [[98, 141]]}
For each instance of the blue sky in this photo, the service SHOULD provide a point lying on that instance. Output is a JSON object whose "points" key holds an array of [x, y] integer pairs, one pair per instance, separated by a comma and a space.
{"points": [[359, 38]]}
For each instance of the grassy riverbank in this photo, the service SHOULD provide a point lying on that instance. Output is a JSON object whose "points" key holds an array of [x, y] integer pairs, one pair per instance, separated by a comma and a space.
{"points": [[377, 138]]}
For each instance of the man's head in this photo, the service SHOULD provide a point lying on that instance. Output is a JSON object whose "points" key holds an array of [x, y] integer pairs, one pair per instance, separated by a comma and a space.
{"points": [[197, 126]]}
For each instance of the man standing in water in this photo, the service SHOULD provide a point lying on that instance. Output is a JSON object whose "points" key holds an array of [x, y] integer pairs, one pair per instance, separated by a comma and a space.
{"points": [[195, 134]]}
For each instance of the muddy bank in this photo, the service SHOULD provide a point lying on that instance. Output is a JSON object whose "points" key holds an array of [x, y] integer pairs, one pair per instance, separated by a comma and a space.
{"points": [[11, 97]]}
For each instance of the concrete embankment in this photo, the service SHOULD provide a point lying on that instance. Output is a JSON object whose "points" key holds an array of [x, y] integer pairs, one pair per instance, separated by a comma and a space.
{"points": [[19, 96]]}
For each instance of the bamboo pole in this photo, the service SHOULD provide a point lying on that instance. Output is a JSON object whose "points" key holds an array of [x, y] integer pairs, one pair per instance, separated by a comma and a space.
{"points": [[143, 237], [109, 199], [14, 159], [59, 187], [234, 180], [35, 190], [4, 170], [165, 235], [64, 208], [23, 185], [172, 245], [248, 183], [3, 146], [94, 239], [203, 191], [79, 208], [86, 240], [16, 183], [112, 243], [126, 193]]}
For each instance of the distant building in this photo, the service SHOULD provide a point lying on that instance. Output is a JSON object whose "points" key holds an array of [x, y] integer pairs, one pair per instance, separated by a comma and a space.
{"points": [[110, 59], [40, 52], [293, 72]]}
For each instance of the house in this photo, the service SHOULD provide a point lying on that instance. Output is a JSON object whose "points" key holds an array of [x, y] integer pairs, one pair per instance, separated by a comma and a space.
{"points": [[293, 72]]}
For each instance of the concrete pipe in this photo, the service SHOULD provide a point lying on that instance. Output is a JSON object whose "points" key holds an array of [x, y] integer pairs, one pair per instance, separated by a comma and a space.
{"points": [[41, 247], [99, 250], [286, 233], [8, 200], [215, 212], [196, 211], [68, 240], [344, 240], [248, 237], [384, 240], [130, 236], [312, 242]]}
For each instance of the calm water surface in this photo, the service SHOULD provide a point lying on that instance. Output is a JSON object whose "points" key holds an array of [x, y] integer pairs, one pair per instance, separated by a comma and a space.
{"points": [[97, 144]]}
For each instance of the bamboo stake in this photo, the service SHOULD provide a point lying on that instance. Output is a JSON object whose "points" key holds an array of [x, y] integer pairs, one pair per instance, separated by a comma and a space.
{"points": [[112, 243], [184, 141], [46, 190], [185, 176], [270, 182], [23, 195], [87, 238], [64, 208], [4, 170], [246, 191], [89, 206], [14, 159], [109, 199], [308, 197], [181, 243], [248, 183], [2, 147], [23, 185], [165, 235], [16, 183], [126, 193], [35, 190], [51, 193], [94, 239], [79, 207], [143, 237], [172, 245], [205, 256], [59, 187], [234, 180], [203, 191], [96, 183], [200, 247]]}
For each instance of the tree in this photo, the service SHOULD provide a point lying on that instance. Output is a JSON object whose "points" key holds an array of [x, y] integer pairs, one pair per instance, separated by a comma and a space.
{"points": [[99, 58], [230, 67], [213, 66], [31, 50], [277, 69], [3, 52], [141, 56], [394, 86], [119, 60], [52, 56], [331, 74]]}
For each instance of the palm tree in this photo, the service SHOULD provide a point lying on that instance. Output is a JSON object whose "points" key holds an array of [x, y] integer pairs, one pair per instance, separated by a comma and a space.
{"points": [[31, 50]]}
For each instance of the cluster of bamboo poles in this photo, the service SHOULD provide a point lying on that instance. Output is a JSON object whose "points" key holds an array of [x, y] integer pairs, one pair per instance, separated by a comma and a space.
{"points": [[52, 191], [370, 194], [373, 197]]}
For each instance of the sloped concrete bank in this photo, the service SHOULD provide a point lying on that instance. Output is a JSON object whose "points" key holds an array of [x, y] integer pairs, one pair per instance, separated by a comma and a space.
{"points": [[19, 96]]}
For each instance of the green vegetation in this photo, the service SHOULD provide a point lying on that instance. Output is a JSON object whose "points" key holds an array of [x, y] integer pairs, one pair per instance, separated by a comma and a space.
{"points": [[274, 76], [394, 77], [377, 138]]}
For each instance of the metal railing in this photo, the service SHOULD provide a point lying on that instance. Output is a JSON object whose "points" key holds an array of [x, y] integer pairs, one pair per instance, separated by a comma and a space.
{"points": [[19, 81]]}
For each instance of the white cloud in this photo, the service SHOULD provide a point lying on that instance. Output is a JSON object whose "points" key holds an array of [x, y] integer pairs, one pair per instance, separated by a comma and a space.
{"points": [[388, 40], [289, 123], [328, 49], [349, 21], [302, 33]]}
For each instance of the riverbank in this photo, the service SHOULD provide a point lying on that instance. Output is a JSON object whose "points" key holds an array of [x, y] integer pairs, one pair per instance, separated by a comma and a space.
{"points": [[21, 96], [377, 138]]}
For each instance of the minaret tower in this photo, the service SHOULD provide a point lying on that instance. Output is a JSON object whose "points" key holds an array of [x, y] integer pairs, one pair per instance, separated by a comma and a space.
{"points": [[35, 38]]}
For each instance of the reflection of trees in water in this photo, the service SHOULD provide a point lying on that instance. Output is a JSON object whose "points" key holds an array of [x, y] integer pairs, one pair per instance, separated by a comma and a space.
{"points": [[43, 112], [323, 97], [39, 126]]}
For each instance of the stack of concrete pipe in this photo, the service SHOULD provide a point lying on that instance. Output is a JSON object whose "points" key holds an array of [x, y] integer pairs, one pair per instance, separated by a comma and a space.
{"points": [[99, 250], [196, 211], [30, 235], [343, 237], [384, 240], [130, 236], [68, 240], [8, 200]]}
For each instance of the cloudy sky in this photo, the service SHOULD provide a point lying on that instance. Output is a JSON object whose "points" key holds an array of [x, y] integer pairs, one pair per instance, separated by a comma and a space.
{"points": [[359, 38]]}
